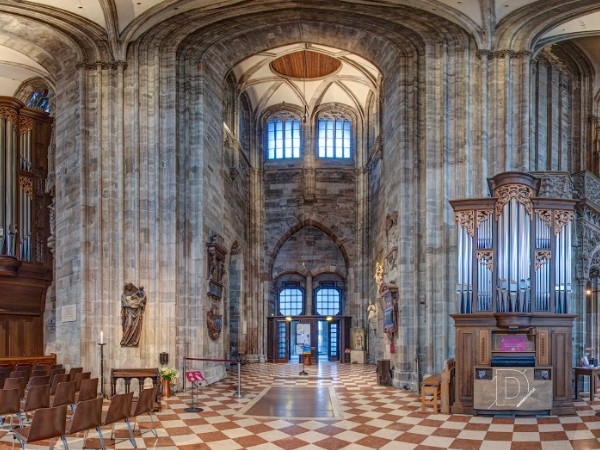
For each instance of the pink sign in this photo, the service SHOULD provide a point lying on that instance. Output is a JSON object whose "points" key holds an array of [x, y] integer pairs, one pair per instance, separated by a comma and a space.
{"points": [[513, 344], [194, 375]]}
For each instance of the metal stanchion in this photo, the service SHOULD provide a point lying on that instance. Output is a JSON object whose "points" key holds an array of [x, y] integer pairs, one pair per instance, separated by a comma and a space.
{"points": [[239, 389]]}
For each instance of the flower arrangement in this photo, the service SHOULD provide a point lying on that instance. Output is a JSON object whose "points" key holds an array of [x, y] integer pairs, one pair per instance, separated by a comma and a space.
{"points": [[169, 373]]}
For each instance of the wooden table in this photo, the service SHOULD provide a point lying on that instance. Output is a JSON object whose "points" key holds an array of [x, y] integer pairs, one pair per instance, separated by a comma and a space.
{"points": [[593, 373], [137, 373]]}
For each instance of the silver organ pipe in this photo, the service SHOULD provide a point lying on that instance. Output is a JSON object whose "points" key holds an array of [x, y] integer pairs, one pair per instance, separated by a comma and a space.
{"points": [[484, 274], [520, 249], [3, 227], [11, 190]]}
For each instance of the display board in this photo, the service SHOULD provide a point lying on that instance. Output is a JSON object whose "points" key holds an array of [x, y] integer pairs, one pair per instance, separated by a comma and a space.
{"points": [[513, 388]]}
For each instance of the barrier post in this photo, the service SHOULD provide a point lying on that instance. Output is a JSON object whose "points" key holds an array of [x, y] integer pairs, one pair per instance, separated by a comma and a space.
{"points": [[239, 389]]}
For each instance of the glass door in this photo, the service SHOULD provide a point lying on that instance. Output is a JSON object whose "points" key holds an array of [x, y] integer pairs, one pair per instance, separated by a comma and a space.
{"points": [[334, 341]]}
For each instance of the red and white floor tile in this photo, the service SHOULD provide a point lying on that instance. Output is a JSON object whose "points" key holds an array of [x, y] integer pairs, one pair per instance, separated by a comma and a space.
{"points": [[373, 417]]}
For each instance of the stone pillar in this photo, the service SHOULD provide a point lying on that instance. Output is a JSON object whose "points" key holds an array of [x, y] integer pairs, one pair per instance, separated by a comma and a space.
{"points": [[309, 295]]}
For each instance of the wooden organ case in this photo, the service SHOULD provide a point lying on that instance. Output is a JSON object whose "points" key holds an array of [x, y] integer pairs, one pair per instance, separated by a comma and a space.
{"points": [[25, 259], [513, 329]]}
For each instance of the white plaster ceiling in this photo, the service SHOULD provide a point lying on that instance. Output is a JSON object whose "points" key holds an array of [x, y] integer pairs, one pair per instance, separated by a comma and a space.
{"points": [[350, 85], [15, 68], [124, 20]]}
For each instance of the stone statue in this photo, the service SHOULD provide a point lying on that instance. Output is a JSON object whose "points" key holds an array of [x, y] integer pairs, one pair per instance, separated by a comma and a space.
{"points": [[133, 304], [379, 276], [371, 311]]}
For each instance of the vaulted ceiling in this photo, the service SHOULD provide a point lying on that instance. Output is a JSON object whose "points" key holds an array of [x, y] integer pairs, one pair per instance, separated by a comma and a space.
{"points": [[105, 28]]}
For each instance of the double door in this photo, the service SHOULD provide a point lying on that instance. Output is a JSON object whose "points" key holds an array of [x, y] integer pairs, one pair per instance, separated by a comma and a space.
{"points": [[290, 339]]}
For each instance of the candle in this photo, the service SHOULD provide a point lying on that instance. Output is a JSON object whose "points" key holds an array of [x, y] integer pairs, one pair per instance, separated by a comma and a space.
{"points": [[101, 337]]}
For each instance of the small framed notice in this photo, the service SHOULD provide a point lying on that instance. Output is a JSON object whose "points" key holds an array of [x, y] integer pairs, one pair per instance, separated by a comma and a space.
{"points": [[69, 313]]}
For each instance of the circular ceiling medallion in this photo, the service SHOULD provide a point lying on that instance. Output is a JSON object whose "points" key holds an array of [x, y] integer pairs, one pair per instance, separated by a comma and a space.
{"points": [[305, 65]]}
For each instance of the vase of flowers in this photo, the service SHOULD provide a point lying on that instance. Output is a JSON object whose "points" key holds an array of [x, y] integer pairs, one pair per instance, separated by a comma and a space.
{"points": [[168, 375]]}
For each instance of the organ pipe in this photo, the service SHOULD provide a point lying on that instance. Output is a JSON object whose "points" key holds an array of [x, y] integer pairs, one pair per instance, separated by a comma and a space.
{"points": [[19, 234], [522, 246]]}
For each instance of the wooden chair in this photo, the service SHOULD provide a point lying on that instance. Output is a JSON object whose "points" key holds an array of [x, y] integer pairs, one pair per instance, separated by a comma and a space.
{"points": [[56, 366], [39, 373], [119, 409], [89, 390], [3, 376], [23, 367], [47, 423], [16, 383], [38, 381], [22, 373], [58, 378], [54, 372], [79, 378], [430, 392], [37, 397], [40, 368], [145, 405], [10, 404], [74, 371], [65, 394], [87, 416]]}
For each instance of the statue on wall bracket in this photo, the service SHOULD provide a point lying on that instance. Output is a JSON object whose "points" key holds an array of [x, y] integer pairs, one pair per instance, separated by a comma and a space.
{"points": [[214, 322], [133, 305], [216, 266]]}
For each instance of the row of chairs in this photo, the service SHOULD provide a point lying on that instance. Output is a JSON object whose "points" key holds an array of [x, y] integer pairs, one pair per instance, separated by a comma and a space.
{"points": [[51, 423], [39, 371]]}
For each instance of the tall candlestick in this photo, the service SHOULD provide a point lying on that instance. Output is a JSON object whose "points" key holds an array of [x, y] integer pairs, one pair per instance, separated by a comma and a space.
{"points": [[101, 337]]}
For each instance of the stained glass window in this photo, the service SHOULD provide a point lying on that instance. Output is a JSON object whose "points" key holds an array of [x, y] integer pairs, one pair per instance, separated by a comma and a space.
{"points": [[334, 136], [283, 137], [39, 100]]}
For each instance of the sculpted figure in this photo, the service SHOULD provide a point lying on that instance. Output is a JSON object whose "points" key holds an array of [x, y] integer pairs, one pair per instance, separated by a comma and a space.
{"points": [[371, 311], [133, 304]]}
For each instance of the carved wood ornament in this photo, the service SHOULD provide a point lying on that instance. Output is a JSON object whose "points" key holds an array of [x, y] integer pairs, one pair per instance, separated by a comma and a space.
{"points": [[486, 257], [482, 216], [466, 219], [561, 218], [518, 191], [541, 257], [545, 216]]}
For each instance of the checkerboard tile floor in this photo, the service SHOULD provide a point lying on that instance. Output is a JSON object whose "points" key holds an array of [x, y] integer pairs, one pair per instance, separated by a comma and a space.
{"points": [[374, 417]]}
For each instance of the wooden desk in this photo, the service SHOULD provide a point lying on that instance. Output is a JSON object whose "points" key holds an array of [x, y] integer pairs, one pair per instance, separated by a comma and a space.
{"points": [[140, 374], [593, 373]]}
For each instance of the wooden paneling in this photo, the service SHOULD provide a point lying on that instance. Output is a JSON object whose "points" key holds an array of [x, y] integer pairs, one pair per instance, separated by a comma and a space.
{"points": [[561, 360], [305, 64], [21, 336]]}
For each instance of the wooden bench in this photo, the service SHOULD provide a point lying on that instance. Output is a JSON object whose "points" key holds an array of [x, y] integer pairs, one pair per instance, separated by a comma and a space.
{"points": [[43, 360], [447, 388], [430, 392]]}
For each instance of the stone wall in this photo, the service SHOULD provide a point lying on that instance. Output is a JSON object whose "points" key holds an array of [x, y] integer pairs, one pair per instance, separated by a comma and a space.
{"points": [[145, 174]]}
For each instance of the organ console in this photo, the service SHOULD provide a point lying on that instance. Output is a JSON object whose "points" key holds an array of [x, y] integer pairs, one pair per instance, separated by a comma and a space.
{"points": [[513, 294]]}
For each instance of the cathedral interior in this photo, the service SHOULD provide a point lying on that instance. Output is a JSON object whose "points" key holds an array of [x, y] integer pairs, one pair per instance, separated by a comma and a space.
{"points": [[347, 182]]}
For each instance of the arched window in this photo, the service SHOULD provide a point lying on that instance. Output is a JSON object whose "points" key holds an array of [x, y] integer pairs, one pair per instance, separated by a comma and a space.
{"points": [[290, 302], [39, 100], [283, 136], [328, 302], [334, 136]]}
